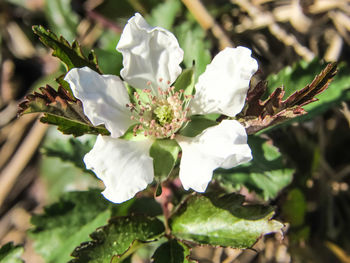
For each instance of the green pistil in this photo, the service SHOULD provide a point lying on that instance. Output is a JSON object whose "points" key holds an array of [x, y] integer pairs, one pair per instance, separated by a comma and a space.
{"points": [[163, 114]]}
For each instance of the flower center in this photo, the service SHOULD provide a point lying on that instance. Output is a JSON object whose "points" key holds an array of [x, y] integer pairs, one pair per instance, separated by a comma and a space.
{"points": [[163, 114], [160, 113]]}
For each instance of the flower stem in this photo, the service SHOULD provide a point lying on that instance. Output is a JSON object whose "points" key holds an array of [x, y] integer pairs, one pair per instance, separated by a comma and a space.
{"points": [[164, 201]]}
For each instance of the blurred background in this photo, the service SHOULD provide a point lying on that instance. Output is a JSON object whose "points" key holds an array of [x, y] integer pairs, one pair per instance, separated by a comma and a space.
{"points": [[316, 204]]}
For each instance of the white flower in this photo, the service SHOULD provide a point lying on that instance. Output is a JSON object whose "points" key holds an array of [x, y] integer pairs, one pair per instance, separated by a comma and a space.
{"points": [[151, 58]]}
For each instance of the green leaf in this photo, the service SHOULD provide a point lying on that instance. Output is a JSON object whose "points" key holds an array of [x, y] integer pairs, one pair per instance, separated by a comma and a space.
{"points": [[64, 84], [106, 50], [164, 153], [145, 206], [10, 253], [60, 109], [222, 221], [130, 135], [131, 91], [266, 174], [60, 176], [62, 18], [64, 225], [164, 14], [68, 126], [71, 55], [302, 73], [186, 82], [116, 10], [61, 171], [172, 251], [192, 39], [294, 208], [73, 151], [197, 124], [117, 240]]}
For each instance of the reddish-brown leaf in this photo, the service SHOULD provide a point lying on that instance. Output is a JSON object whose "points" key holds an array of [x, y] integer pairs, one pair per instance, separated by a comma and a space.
{"points": [[61, 109], [259, 114]]}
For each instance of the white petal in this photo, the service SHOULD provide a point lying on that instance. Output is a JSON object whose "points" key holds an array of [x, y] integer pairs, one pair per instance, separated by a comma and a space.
{"points": [[223, 87], [149, 53], [125, 167], [104, 99], [224, 145]]}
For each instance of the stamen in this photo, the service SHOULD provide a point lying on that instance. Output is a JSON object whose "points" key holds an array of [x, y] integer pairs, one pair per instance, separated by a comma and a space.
{"points": [[164, 112]]}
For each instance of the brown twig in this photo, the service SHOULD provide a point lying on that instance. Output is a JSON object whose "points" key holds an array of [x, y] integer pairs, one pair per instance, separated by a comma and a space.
{"points": [[346, 112], [282, 35], [25, 152], [341, 254], [232, 254], [13, 137], [207, 22]]}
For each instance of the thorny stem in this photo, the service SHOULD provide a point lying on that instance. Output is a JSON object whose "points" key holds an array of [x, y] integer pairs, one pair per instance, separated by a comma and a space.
{"points": [[164, 200]]}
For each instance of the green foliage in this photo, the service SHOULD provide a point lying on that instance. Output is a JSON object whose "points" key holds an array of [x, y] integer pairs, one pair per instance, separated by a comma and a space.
{"points": [[164, 14], [295, 77], [222, 221], [117, 240], [64, 84], [143, 96], [69, 126], [71, 55], [197, 124], [116, 10], [266, 174], [294, 207], [164, 153], [145, 206], [172, 251], [73, 151], [10, 253], [67, 223], [61, 176], [192, 39], [62, 18], [186, 82], [62, 167], [130, 135], [110, 61], [60, 109]]}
